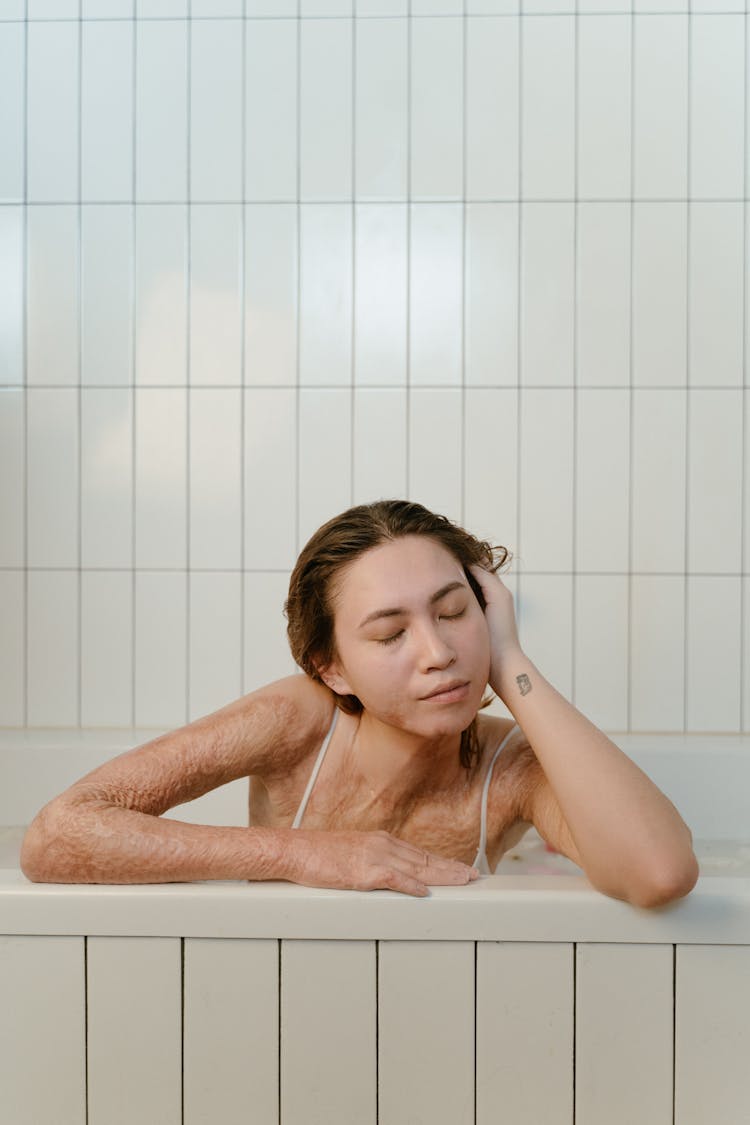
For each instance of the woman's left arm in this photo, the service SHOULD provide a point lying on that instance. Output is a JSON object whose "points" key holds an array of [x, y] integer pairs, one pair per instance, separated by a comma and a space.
{"points": [[632, 842]]}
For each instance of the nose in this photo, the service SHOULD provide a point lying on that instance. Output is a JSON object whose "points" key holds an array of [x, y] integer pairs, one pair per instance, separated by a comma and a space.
{"points": [[433, 650]]}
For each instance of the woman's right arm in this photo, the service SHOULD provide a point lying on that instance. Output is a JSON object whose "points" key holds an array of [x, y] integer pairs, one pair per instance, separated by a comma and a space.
{"points": [[108, 828]]}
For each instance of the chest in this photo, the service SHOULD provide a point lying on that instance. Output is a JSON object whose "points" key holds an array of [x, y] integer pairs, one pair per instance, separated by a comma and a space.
{"points": [[447, 824]]}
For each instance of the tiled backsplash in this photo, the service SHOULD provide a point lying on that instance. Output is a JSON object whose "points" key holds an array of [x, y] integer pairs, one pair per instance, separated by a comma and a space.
{"points": [[261, 262]]}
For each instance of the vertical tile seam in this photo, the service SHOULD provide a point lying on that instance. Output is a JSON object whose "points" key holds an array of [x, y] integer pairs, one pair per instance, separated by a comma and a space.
{"points": [[576, 286], [24, 369], [243, 329], [79, 362], [686, 543], [631, 389], [188, 324], [133, 302]]}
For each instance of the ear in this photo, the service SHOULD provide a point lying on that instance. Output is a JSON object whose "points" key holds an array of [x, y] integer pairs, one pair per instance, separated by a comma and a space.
{"points": [[333, 677]]}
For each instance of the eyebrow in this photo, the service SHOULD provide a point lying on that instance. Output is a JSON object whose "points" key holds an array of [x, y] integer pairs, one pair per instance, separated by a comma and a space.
{"points": [[398, 610]]}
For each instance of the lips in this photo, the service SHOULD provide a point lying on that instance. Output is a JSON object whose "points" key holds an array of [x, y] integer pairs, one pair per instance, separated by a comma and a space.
{"points": [[444, 688]]}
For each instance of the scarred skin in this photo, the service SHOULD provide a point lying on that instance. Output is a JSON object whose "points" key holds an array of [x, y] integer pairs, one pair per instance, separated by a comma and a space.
{"points": [[392, 807]]}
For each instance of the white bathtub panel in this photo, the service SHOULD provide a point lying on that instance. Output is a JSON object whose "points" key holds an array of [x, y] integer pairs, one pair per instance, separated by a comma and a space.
{"points": [[106, 647], [544, 612], [524, 1033], [717, 93], [324, 458], [161, 475], [379, 444], [107, 110], [380, 299], [215, 477], [712, 1025], [52, 438], [548, 108], [436, 295], [714, 641], [231, 1038], [604, 79], [271, 305], [381, 106], [12, 475], [623, 1058], [160, 649], [12, 650], [215, 82], [52, 109], [659, 486], [603, 296], [106, 295], [426, 1032], [12, 97], [266, 650], [437, 96], [52, 277], [601, 649], [657, 652], [715, 482], [328, 1028], [42, 1030], [434, 437], [214, 641], [547, 292], [325, 311], [12, 296], [134, 1031], [106, 477], [270, 477], [491, 298], [547, 498], [660, 312], [602, 480], [325, 93], [490, 465], [161, 290], [53, 648], [492, 96], [160, 109], [271, 109], [716, 294], [660, 106], [215, 294]]}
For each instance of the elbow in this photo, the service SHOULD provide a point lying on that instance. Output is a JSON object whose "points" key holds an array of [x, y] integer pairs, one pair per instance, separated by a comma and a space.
{"points": [[45, 857], [671, 886]]}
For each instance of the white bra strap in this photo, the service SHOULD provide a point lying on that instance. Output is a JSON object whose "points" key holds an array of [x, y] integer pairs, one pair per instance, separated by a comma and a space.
{"points": [[316, 767], [485, 790]]}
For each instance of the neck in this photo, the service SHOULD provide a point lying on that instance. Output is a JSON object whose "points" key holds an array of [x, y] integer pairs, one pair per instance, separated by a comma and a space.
{"points": [[400, 764]]}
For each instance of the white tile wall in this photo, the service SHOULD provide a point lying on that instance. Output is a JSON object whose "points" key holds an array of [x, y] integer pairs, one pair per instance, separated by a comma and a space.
{"points": [[262, 261]]}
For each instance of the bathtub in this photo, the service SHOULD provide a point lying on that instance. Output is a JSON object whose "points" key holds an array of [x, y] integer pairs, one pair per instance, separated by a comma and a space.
{"points": [[525, 997]]}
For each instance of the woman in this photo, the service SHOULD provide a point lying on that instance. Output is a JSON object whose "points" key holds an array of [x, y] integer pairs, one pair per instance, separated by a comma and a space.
{"points": [[398, 620]]}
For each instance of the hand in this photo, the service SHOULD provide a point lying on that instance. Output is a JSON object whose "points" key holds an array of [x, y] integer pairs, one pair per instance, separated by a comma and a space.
{"points": [[501, 620], [368, 861]]}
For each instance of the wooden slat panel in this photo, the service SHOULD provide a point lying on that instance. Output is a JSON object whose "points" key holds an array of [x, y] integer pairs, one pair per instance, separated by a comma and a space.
{"points": [[712, 1035], [231, 1037], [524, 1033], [426, 1032], [42, 1030], [624, 1028], [328, 1021], [135, 1031]]}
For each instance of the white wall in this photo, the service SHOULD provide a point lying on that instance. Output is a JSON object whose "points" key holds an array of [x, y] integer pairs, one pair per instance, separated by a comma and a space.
{"points": [[257, 267]]}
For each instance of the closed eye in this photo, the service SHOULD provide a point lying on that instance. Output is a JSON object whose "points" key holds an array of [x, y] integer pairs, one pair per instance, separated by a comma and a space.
{"points": [[443, 616]]}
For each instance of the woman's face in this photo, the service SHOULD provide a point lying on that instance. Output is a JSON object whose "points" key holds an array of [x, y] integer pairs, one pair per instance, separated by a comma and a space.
{"points": [[406, 623]]}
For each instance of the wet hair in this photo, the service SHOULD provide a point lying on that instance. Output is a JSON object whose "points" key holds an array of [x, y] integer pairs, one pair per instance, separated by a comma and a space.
{"points": [[309, 607]]}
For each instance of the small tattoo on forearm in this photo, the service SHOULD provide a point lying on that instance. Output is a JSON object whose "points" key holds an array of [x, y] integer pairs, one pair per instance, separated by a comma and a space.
{"points": [[524, 683]]}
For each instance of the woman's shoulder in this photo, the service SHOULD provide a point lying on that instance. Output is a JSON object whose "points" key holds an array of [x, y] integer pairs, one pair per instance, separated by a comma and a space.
{"points": [[301, 711]]}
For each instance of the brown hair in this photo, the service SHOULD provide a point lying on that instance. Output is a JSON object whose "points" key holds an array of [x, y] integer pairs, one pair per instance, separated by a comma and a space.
{"points": [[309, 606]]}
